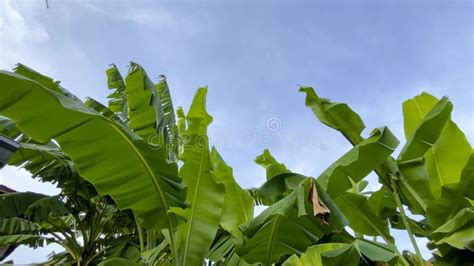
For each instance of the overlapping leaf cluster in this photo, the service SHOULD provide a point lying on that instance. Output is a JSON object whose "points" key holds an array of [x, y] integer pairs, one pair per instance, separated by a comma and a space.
{"points": [[142, 186]]}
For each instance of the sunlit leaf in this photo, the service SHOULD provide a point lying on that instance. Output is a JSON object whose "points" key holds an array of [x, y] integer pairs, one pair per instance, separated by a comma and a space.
{"points": [[205, 192]]}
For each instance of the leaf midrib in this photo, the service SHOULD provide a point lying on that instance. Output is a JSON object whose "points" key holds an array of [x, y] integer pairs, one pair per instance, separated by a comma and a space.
{"points": [[193, 209], [271, 239], [435, 160], [145, 164]]}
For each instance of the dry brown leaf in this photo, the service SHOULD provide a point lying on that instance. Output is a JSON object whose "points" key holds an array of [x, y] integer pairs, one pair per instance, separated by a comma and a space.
{"points": [[319, 208]]}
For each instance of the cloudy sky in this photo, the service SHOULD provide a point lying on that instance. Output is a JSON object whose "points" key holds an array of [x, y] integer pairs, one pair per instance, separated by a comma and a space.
{"points": [[253, 55]]}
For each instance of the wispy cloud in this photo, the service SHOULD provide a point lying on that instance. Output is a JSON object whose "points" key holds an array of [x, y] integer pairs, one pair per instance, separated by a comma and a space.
{"points": [[19, 32], [155, 19]]}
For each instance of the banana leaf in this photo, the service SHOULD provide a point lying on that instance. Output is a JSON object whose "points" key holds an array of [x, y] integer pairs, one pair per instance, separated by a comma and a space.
{"points": [[15, 204], [238, 204], [145, 112], [271, 165], [336, 115], [288, 226], [104, 152], [357, 163], [118, 101], [205, 192], [361, 218]]}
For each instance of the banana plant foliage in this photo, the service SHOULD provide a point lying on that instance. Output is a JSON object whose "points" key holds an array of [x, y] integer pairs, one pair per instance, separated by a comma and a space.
{"points": [[432, 176], [141, 184]]}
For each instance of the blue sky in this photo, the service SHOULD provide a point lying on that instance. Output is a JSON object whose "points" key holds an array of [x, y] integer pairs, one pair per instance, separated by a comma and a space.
{"points": [[252, 55]]}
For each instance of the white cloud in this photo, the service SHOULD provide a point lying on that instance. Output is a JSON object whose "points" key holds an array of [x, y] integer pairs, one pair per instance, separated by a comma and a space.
{"points": [[156, 19], [21, 32], [16, 27]]}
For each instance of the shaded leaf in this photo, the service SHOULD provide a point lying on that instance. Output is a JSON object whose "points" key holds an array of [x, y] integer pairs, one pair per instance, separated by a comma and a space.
{"points": [[33, 241], [382, 203], [15, 225], [278, 187], [461, 218], [15, 204], [361, 218], [43, 208], [119, 262]]}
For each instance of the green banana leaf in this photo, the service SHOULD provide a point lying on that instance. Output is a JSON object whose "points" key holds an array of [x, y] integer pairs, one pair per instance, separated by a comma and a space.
{"points": [[357, 163], [8, 128], [222, 247], [33, 241], [47, 162], [288, 226], [278, 187], [312, 256], [118, 101], [271, 165], [15, 204], [282, 185], [437, 149], [427, 132], [236, 260], [348, 123], [336, 115], [457, 231], [223, 252], [418, 228], [43, 80], [104, 152], [119, 262], [361, 218], [462, 218], [238, 204], [447, 158], [382, 203], [461, 239], [145, 113], [342, 254], [43, 208], [102, 109], [15, 225], [351, 254], [205, 193], [416, 109], [453, 198], [169, 118], [181, 124]]}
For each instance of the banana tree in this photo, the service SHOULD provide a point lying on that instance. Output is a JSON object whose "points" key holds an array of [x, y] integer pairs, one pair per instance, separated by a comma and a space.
{"points": [[88, 226], [432, 176], [182, 205]]}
